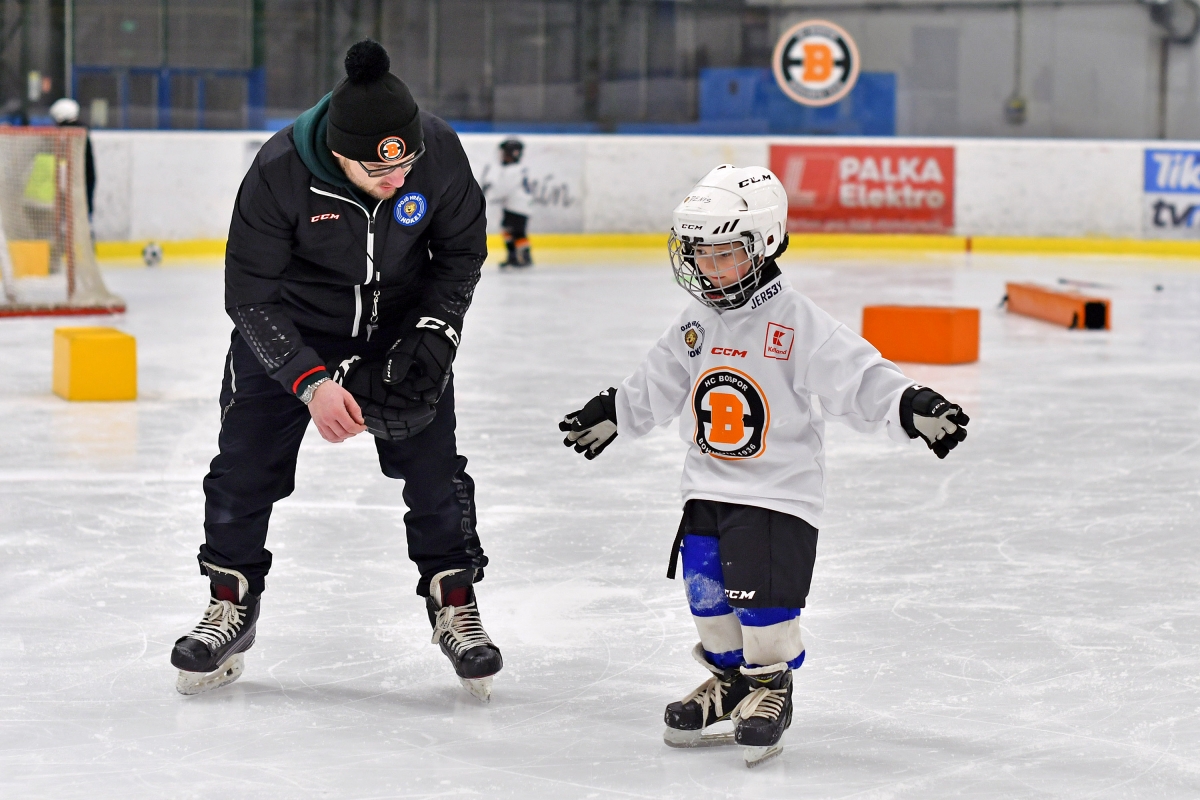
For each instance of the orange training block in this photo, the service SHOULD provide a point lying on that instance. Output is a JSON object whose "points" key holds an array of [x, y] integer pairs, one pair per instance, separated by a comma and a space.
{"points": [[924, 334], [1071, 309]]}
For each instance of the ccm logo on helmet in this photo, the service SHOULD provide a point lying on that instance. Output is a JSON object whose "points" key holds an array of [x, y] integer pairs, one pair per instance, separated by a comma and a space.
{"points": [[392, 148], [759, 179], [323, 217], [690, 226], [728, 351]]}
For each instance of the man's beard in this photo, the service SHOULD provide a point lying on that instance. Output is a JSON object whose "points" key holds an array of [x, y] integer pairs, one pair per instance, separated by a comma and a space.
{"points": [[378, 192]]}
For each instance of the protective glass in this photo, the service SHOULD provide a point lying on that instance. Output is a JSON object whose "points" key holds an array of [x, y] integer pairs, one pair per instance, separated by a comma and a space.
{"points": [[406, 165], [710, 272]]}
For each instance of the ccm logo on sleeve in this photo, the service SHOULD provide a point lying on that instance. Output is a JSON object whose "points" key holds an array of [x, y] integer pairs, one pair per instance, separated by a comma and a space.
{"points": [[779, 341]]}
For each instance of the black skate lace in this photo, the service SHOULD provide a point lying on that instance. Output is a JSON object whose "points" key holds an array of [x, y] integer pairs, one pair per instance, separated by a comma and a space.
{"points": [[761, 702], [222, 621], [461, 626], [710, 694]]}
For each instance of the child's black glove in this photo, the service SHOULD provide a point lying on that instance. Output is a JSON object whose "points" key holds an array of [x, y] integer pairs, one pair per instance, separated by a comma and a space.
{"points": [[925, 413], [591, 428]]}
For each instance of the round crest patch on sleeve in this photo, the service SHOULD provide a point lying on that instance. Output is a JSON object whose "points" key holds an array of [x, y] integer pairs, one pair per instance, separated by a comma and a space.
{"points": [[410, 209]]}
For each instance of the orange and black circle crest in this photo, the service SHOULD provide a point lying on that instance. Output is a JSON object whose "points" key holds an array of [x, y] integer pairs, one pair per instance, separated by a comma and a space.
{"points": [[391, 149], [732, 415]]}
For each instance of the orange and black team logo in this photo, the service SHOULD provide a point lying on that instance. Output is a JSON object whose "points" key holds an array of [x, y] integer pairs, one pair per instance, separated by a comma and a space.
{"points": [[391, 149], [732, 414]]}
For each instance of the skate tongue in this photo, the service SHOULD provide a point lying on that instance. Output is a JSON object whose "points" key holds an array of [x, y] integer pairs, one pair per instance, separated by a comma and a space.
{"points": [[456, 597], [224, 592]]}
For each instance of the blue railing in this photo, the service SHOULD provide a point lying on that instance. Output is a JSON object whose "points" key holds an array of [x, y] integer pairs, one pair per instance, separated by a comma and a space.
{"points": [[256, 90]]}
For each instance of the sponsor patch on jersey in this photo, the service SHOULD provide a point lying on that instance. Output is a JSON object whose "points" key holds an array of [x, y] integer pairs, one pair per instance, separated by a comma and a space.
{"points": [[693, 337], [766, 294], [732, 414], [392, 149], [410, 209], [779, 341]]}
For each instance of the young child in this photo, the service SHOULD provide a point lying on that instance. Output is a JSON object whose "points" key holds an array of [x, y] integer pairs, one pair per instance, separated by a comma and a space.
{"points": [[738, 367]]}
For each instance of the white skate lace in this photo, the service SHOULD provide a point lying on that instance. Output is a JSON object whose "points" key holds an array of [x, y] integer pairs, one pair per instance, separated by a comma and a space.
{"points": [[710, 694], [761, 702], [463, 627], [222, 621]]}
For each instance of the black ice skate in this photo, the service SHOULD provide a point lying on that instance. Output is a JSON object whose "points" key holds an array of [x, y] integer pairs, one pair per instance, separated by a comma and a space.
{"points": [[458, 629], [765, 713], [213, 654], [712, 702]]}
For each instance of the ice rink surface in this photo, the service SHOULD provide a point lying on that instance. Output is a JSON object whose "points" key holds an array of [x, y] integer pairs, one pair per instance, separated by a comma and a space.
{"points": [[1020, 620]]}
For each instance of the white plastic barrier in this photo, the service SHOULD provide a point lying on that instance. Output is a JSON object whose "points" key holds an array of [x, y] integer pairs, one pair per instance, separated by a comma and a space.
{"points": [[181, 185]]}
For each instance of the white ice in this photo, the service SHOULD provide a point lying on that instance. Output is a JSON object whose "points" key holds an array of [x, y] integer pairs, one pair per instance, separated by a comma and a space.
{"points": [[1020, 620]]}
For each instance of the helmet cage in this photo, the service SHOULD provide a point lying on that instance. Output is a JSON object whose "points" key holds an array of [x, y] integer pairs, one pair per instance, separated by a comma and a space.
{"points": [[689, 275]]}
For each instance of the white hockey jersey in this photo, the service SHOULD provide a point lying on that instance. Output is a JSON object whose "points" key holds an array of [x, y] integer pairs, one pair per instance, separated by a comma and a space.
{"points": [[510, 189], [741, 383]]}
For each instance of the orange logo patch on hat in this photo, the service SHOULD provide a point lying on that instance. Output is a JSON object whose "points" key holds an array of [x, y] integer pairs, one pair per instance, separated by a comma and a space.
{"points": [[392, 149]]}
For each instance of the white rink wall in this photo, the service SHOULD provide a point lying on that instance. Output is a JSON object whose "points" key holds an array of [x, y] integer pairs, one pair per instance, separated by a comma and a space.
{"points": [[181, 185]]}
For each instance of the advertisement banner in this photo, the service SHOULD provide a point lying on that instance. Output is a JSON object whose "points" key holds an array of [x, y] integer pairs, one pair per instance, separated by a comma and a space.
{"points": [[1171, 194], [867, 189]]}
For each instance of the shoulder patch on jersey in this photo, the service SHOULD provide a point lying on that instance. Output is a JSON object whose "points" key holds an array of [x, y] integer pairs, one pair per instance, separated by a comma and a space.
{"points": [[732, 414], [772, 289], [779, 341], [693, 337]]}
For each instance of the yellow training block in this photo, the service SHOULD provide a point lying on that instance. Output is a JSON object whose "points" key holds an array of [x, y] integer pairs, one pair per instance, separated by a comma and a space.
{"points": [[30, 258], [94, 364]]}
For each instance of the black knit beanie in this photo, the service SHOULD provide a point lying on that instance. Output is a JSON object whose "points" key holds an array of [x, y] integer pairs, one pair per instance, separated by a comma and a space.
{"points": [[372, 114]]}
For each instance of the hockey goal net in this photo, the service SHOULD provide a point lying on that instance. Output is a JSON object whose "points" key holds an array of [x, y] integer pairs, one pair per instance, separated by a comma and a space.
{"points": [[47, 258]]}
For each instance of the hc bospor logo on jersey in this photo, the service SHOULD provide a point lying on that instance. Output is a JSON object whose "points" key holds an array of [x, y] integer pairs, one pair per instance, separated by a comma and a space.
{"points": [[392, 149], [732, 414], [410, 209]]}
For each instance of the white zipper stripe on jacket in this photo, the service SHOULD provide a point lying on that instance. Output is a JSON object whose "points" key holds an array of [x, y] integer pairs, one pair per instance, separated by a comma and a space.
{"points": [[371, 274]]}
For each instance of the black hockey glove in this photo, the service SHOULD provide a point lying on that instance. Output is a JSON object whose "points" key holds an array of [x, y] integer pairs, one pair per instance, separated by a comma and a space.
{"points": [[925, 413], [386, 414], [591, 428], [418, 364]]}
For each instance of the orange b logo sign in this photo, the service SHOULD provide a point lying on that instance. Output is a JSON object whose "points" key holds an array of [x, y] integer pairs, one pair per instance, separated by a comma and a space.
{"points": [[391, 149], [815, 63]]}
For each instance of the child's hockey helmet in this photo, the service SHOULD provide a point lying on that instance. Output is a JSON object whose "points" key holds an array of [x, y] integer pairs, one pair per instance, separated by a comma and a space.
{"points": [[742, 208], [511, 150]]}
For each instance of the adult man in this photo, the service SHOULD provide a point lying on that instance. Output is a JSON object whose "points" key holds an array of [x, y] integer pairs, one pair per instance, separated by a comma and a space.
{"points": [[355, 246]]}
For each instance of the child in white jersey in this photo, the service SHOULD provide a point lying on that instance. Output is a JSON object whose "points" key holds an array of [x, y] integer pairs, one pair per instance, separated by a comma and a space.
{"points": [[739, 366]]}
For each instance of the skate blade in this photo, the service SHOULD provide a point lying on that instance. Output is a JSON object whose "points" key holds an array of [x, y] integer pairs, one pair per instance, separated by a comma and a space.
{"points": [[677, 738], [190, 683], [481, 688], [758, 755]]}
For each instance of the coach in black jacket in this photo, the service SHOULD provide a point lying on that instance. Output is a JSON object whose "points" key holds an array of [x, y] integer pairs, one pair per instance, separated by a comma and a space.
{"points": [[358, 231]]}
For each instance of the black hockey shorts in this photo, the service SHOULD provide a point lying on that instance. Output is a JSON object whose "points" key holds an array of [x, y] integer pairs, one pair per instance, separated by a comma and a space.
{"points": [[514, 225], [261, 429], [767, 556]]}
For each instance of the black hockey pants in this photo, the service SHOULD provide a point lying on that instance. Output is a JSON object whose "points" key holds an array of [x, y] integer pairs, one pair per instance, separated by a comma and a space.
{"points": [[261, 429]]}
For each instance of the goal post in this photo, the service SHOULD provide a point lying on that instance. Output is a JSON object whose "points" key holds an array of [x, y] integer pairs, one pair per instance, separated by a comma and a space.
{"points": [[47, 258]]}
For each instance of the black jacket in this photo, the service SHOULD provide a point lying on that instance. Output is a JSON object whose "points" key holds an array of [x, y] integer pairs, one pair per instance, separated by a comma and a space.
{"points": [[311, 258]]}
